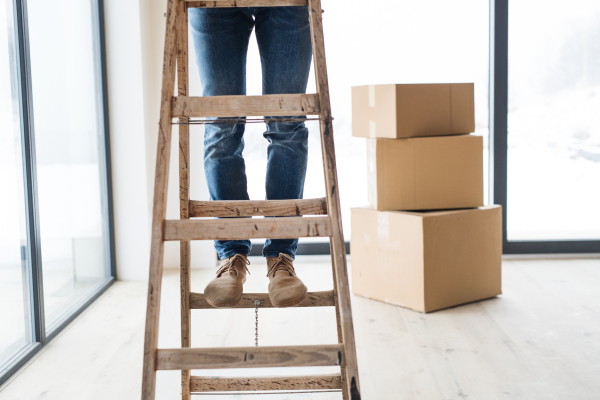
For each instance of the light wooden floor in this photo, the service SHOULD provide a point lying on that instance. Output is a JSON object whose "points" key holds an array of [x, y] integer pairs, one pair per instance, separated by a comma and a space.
{"points": [[539, 340]]}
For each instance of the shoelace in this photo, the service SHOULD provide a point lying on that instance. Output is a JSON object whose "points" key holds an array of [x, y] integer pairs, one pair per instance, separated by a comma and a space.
{"points": [[282, 263], [231, 265]]}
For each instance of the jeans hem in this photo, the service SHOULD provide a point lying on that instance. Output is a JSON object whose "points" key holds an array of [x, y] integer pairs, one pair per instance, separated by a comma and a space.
{"points": [[276, 254], [230, 253]]}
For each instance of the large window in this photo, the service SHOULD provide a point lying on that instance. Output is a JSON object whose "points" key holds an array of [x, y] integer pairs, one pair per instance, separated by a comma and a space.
{"points": [[546, 129], [69, 136], [15, 305], [55, 231], [553, 120]]}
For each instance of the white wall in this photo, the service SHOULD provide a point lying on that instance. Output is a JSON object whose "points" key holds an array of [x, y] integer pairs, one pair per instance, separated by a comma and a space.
{"points": [[134, 45]]}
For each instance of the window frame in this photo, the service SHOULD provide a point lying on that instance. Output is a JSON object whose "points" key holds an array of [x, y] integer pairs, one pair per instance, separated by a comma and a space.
{"points": [[498, 123], [40, 336]]}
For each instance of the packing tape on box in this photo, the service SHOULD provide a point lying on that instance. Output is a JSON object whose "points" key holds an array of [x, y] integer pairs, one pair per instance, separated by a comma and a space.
{"points": [[371, 95], [371, 155], [383, 226], [372, 126], [372, 129], [372, 172]]}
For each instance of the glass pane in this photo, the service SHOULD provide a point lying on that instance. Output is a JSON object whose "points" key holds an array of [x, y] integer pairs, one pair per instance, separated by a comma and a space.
{"points": [[16, 330], [554, 120], [69, 137]]}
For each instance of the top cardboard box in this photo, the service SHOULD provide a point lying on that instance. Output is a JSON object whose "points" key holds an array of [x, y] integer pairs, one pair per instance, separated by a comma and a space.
{"points": [[413, 110]]}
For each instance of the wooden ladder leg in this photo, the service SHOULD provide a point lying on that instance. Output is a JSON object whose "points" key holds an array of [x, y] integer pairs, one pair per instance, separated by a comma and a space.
{"points": [[184, 185], [339, 327], [338, 247], [159, 208]]}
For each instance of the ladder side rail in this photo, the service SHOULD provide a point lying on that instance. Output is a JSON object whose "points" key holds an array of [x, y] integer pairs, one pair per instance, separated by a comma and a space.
{"points": [[184, 186], [338, 246], [338, 322], [159, 209]]}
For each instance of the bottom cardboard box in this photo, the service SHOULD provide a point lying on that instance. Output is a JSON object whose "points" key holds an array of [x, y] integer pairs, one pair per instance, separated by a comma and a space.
{"points": [[427, 260]]}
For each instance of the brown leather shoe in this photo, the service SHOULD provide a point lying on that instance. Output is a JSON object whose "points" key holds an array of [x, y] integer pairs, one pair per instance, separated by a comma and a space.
{"points": [[285, 288], [226, 289]]}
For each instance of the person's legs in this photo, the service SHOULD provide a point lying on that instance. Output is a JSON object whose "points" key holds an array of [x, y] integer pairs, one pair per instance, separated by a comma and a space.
{"points": [[221, 38], [283, 36]]}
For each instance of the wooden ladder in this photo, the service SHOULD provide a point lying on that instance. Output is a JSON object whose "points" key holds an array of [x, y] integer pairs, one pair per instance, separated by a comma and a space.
{"points": [[328, 223]]}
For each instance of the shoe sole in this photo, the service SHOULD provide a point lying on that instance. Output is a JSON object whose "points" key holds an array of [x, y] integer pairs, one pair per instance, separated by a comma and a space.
{"points": [[289, 303], [223, 305]]}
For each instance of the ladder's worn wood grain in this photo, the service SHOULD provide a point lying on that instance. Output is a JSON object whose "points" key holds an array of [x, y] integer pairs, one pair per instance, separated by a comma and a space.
{"points": [[249, 208], [247, 228], [184, 185], [159, 210], [223, 384], [246, 106], [245, 3], [313, 299], [250, 357], [350, 378]]}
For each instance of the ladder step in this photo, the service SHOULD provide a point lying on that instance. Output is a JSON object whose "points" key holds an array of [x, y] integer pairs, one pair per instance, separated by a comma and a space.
{"points": [[245, 3], [250, 357], [247, 228], [249, 208], [226, 384], [313, 299], [245, 106]]}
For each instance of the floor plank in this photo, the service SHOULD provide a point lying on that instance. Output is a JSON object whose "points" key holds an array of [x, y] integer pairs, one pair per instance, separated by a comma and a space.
{"points": [[539, 340]]}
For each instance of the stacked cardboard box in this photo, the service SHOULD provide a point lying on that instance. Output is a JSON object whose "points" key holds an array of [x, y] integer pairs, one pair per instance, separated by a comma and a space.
{"points": [[426, 242]]}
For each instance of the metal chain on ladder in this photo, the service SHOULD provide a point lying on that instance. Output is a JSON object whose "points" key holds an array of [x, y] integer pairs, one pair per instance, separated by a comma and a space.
{"points": [[256, 303]]}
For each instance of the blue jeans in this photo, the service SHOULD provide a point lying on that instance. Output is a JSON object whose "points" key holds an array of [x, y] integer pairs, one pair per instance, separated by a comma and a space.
{"points": [[221, 37]]}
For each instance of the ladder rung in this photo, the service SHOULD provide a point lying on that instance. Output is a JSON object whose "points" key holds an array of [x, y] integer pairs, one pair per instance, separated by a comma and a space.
{"points": [[246, 3], [245, 106], [249, 208], [226, 384], [313, 299], [247, 228], [250, 357]]}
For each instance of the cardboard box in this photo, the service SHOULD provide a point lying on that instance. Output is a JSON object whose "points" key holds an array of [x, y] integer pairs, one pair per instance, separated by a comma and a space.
{"points": [[413, 110], [425, 173], [427, 261]]}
